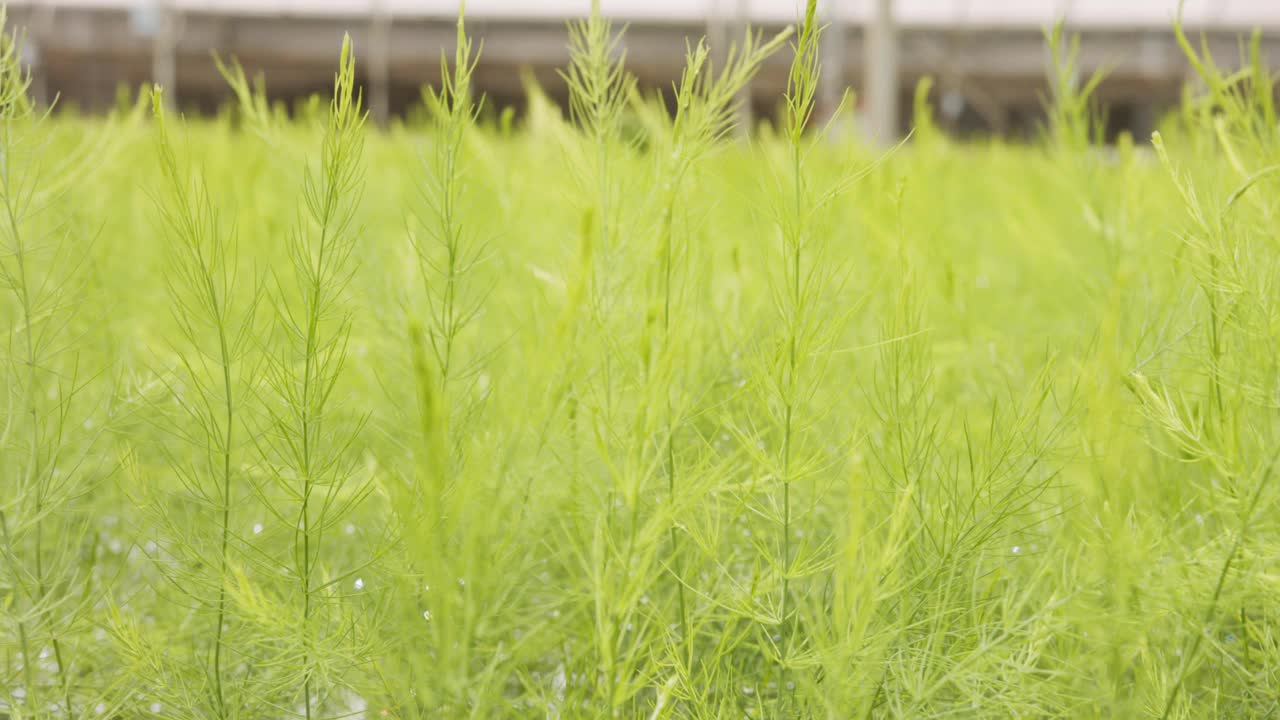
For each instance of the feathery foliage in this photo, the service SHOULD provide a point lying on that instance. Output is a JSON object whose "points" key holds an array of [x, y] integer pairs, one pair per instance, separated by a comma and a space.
{"points": [[605, 413]]}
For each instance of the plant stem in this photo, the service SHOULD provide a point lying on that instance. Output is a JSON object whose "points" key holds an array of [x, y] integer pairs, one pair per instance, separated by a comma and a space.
{"points": [[313, 318], [228, 441], [1245, 519], [667, 270], [788, 428], [24, 642], [35, 470]]}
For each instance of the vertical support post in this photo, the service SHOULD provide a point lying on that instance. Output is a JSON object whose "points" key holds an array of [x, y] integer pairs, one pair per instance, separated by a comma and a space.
{"points": [[882, 75], [164, 63], [832, 84], [717, 29], [379, 54], [737, 31], [30, 56], [726, 25]]}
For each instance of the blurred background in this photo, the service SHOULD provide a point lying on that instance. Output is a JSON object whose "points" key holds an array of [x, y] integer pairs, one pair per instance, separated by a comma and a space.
{"points": [[987, 57]]}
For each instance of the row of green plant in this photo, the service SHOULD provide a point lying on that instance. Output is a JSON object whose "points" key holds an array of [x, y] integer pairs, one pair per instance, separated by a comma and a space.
{"points": [[613, 415]]}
